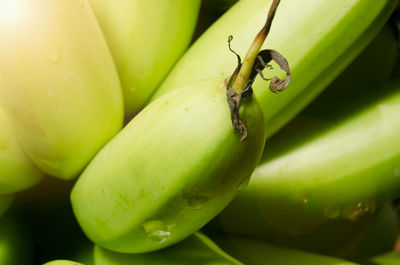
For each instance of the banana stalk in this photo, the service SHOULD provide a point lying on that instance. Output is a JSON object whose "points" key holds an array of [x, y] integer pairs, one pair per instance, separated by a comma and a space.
{"points": [[319, 38], [145, 38], [339, 172], [17, 172], [58, 82]]}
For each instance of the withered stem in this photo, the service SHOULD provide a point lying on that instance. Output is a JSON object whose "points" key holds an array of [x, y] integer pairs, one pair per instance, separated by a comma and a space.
{"points": [[248, 62]]}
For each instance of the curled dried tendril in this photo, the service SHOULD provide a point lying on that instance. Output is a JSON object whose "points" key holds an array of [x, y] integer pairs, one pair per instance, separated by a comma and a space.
{"points": [[234, 98]]}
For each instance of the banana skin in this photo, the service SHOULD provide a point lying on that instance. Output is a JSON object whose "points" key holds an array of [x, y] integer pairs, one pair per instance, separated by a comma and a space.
{"points": [[58, 83], [313, 35], [145, 38], [169, 171]]}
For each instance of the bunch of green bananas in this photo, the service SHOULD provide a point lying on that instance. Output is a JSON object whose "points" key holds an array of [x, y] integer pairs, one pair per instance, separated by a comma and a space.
{"points": [[149, 139]]}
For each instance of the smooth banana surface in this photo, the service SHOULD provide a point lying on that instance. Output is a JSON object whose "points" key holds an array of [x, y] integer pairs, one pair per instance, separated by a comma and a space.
{"points": [[17, 172], [340, 172], [196, 249], [313, 36], [58, 82], [145, 38], [169, 171]]}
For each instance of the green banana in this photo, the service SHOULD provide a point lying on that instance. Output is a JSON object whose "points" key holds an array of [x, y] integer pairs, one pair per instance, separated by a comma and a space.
{"points": [[17, 172], [129, 199], [314, 36], [196, 249], [58, 82], [145, 38], [63, 262], [343, 172], [169, 171]]}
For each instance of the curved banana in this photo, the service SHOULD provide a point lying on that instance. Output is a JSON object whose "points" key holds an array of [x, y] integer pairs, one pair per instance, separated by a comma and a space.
{"points": [[314, 36], [58, 82], [145, 38], [169, 171], [337, 173], [130, 199]]}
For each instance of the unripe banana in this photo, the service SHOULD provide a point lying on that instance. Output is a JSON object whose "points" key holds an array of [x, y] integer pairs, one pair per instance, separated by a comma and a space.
{"points": [[17, 172], [169, 171], [196, 250], [63, 262], [314, 36], [130, 199], [58, 82], [145, 38], [343, 172]]}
